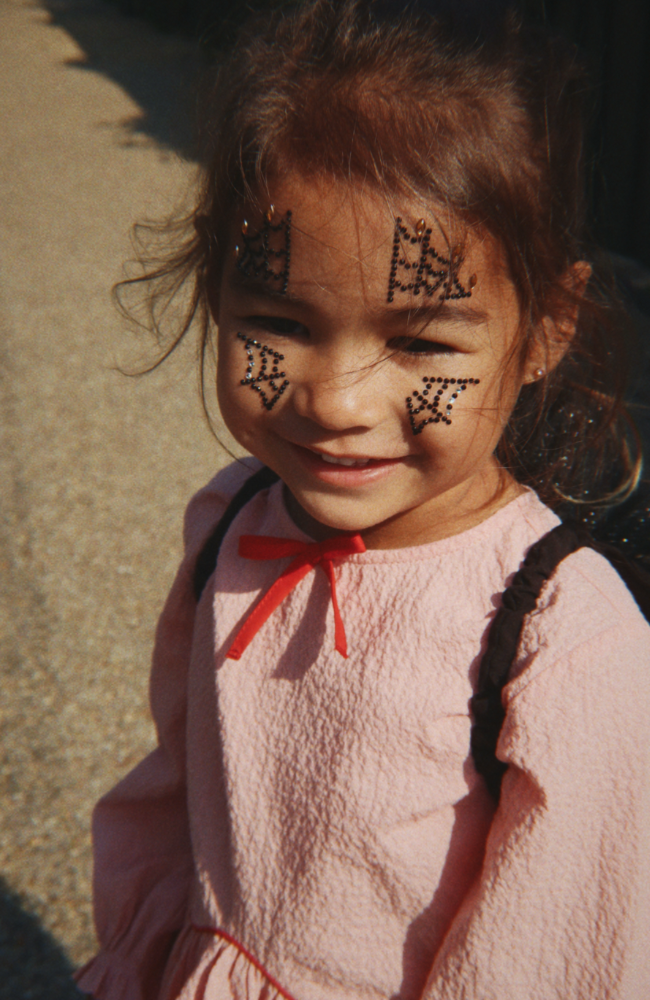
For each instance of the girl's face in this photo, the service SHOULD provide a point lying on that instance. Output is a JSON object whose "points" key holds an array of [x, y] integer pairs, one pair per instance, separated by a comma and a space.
{"points": [[341, 434]]}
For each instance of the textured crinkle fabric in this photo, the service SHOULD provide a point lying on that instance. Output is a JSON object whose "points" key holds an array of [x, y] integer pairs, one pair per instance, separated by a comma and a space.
{"points": [[313, 827]]}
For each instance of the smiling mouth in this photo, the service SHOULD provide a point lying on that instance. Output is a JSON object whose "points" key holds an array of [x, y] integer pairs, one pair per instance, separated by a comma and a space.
{"points": [[348, 462], [348, 470]]}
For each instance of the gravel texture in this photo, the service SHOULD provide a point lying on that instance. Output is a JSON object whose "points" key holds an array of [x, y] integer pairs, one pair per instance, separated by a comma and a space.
{"points": [[96, 468]]}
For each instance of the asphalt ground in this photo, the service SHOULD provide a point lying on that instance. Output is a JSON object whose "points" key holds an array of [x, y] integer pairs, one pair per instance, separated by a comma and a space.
{"points": [[95, 468]]}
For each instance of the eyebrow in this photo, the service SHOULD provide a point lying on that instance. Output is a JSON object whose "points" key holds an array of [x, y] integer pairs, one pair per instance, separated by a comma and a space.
{"points": [[439, 310], [444, 310], [261, 290]]}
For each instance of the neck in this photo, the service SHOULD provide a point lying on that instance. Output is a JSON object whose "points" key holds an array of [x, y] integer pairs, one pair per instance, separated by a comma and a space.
{"points": [[440, 517]]}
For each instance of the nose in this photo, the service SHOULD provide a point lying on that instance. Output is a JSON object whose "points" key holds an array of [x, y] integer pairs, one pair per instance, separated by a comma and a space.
{"points": [[340, 398]]}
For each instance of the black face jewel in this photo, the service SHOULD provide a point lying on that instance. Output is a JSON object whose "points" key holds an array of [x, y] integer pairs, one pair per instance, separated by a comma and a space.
{"points": [[254, 380], [423, 401], [259, 250], [432, 271]]}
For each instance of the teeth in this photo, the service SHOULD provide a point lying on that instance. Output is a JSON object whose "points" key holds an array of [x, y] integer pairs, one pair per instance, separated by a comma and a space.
{"points": [[345, 461]]}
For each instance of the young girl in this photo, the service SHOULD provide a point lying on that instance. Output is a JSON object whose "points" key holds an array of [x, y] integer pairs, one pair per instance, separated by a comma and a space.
{"points": [[413, 339]]}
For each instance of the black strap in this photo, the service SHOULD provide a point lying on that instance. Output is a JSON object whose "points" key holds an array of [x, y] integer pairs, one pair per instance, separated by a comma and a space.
{"points": [[207, 560], [518, 600]]}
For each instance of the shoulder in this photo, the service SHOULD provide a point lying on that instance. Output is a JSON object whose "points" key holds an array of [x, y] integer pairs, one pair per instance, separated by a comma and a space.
{"points": [[206, 507], [585, 597], [578, 701], [585, 613]]}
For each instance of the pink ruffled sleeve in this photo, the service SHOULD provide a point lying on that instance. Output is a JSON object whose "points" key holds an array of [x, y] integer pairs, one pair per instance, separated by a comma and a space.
{"points": [[563, 905], [141, 842]]}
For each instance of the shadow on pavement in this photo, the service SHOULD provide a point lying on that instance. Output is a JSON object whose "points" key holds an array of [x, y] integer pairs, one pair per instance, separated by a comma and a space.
{"points": [[32, 965], [159, 71]]}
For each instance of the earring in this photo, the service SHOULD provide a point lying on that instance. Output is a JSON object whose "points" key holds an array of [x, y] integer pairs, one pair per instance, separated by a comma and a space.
{"points": [[254, 258], [539, 373], [254, 380]]}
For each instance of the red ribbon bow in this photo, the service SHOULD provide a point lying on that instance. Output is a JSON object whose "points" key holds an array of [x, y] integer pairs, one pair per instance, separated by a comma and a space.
{"points": [[307, 557]]}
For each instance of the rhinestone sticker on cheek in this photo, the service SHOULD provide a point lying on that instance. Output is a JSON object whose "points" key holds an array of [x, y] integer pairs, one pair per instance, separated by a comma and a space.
{"points": [[254, 380], [434, 404]]}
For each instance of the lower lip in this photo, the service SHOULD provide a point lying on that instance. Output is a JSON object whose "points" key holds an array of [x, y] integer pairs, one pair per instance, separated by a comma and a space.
{"points": [[345, 475]]}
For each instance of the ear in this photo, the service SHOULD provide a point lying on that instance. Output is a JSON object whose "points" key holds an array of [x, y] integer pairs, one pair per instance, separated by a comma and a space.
{"points": [[553, 338]]}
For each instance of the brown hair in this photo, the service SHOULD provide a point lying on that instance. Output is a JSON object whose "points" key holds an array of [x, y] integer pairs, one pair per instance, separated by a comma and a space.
{"points": [[485, 119]]}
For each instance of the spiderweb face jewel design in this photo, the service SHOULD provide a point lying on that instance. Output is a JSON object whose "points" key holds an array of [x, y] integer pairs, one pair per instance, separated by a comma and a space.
{"points": [[422, 402], [432, 272], [272, 377], [266, 254]]}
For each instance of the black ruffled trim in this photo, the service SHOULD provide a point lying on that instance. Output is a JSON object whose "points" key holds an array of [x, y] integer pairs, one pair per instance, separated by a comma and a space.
{"points": [[518, 600]]}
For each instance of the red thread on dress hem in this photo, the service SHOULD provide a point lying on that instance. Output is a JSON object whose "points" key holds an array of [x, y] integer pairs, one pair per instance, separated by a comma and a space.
{"points": [[216, 932]]}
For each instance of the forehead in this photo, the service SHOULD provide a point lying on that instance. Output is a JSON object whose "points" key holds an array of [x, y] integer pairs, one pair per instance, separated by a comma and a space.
{"points": [[334, 218], [342, 222], [342, 232]]}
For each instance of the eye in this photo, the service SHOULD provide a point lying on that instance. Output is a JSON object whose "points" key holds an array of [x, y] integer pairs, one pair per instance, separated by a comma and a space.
{"points": [[417, 345], [283, 326]]}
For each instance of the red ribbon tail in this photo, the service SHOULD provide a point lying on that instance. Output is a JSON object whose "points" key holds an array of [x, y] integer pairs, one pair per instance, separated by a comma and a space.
{"points": [[283, 586], [306, 558], [340, 640]]}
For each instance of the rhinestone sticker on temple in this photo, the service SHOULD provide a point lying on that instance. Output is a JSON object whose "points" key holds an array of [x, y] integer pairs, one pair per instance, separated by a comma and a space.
{"points": [[434, 404], [259, 249], [254, 380], [431, 272]]}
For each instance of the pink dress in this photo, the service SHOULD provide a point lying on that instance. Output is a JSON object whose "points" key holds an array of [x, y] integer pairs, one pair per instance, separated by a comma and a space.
{"points": [[313, 827]]}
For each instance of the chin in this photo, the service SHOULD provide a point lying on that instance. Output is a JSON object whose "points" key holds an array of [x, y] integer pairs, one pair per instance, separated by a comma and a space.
{"points": [[311, 517]]}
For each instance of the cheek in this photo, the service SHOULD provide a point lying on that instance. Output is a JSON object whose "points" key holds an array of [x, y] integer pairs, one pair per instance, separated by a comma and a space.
{"points": [[434, 402], [263, 374], [250, 379]]}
